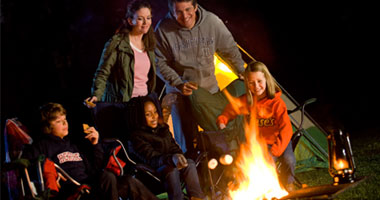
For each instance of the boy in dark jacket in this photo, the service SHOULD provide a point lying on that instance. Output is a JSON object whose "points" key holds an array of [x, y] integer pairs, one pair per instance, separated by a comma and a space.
{"points": [[154, 142], [85, 168]]}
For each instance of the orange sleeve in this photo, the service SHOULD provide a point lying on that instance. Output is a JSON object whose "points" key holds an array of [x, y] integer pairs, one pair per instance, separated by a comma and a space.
{"points": [[222, 119], [229, 113], [285, 129], [50, 175]]}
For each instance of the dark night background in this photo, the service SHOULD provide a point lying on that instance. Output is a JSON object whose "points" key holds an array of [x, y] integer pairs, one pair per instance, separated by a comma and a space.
{"points": [[50, 51]]}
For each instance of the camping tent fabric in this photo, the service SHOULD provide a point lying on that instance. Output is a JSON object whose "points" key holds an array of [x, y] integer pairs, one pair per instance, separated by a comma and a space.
{"points": [[308, 154]]}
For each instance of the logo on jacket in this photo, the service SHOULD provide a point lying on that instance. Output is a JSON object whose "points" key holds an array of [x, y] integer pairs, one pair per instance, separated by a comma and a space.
{"points": [[265, 122], [68, 156], [204, 42]]}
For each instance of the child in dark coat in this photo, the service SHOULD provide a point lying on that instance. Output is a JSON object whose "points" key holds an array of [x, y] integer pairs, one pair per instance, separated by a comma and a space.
{"points": [[156, 145]]}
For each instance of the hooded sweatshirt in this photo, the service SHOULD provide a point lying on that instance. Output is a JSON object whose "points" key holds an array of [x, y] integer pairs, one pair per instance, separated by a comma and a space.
{"points": [[188, 54], [67, 155], [272, 117]]}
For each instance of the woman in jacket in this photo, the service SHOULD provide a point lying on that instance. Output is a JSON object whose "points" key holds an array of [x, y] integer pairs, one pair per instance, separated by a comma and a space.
{"points": [[127, 65]]}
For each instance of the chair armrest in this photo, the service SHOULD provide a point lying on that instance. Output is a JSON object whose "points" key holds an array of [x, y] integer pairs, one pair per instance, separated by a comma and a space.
{"points": [[148, 170], [144, 167]]}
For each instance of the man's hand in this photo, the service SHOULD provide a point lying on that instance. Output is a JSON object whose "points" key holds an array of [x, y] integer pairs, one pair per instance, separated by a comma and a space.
{"points": [[187, 88], [241, 76], [90, 102], [179, 161]]}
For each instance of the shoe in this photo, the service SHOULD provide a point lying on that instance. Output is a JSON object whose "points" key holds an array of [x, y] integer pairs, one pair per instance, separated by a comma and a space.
{"points": [[291, 187], [221, 196], [196, 198]]}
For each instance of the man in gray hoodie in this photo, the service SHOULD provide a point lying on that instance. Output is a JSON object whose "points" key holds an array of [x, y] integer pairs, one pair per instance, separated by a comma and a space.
{"points": [[187, 39]]}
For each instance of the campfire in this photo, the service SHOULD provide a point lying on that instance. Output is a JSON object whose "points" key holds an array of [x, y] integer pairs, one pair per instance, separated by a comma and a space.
{"points": [[257, 176]]}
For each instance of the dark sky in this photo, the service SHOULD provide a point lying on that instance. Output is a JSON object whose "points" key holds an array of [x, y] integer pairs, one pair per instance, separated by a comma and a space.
{"points": [[50, 51]]}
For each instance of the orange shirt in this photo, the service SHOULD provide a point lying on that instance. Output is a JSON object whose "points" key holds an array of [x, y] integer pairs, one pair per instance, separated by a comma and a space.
{"points": [[273, 120]]}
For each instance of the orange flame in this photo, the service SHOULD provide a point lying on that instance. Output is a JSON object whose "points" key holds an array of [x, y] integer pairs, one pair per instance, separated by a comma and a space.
{"points": [[341, 164], [257, 177]]}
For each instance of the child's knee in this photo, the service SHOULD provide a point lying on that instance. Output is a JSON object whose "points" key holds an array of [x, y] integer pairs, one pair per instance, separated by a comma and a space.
{"points": [[108, 177], [190, 162]]}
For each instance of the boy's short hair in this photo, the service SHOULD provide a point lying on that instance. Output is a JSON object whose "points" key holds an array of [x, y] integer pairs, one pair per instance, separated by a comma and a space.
{"points": [[171, 2], [50, 112]]}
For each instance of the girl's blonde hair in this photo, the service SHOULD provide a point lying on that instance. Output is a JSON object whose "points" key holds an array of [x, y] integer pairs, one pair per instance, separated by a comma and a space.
{"points": [[271, 87]]}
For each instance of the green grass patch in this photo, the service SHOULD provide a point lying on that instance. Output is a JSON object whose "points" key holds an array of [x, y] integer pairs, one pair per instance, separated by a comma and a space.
{"points": [[366, 150]]}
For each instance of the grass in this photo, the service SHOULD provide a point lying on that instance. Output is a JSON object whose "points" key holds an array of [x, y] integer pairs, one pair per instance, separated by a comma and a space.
{"points": [[366, 150]]}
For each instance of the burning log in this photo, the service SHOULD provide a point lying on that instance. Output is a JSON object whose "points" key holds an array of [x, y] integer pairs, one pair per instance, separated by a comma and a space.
{"points": [[322, 192]]}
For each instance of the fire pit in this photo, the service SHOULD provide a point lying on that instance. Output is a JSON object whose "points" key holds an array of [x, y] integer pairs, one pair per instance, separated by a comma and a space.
{"points": [[256, 175], [323, 191]]}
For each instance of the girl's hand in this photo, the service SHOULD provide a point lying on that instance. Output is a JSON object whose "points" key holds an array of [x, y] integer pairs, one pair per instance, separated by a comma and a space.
{"points": [[221, 126], [179, 161], [92, 135]]}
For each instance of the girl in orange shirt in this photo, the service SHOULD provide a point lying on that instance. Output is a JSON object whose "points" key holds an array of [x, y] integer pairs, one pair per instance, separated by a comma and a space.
{"points": [[272, 117]]}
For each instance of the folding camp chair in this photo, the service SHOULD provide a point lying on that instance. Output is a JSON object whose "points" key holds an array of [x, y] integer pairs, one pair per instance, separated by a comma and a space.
{"points": [[115, 120], [41, 177], [118, 163], [15, 138], [214, 145], [24, 178], [299, 132], [122, 162]]}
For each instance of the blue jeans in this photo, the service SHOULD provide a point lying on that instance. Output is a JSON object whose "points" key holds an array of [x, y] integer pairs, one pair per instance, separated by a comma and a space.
{"points": [[173, 181], [184, 124], [202, 108], [287, 165]]}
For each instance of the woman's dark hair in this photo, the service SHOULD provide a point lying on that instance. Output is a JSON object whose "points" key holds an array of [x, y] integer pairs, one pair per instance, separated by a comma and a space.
{"points": [[149, 38], [48, 113]]}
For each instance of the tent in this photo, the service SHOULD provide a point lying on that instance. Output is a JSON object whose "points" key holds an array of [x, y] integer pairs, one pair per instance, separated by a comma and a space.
{"points": [[312, 149]]}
